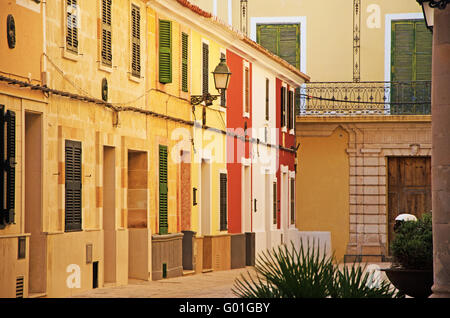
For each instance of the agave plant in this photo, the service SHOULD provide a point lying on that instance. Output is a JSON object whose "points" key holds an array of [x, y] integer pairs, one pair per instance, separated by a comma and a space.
{"points": [[306, 273]]}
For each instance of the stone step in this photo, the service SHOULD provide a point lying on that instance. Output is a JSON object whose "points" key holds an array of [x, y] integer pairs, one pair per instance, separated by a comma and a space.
{"points": [[188, 272], [37, 295]]}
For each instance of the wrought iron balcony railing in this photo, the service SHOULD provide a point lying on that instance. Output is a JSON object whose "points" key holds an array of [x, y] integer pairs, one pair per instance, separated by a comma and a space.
{"points": [[365, 98]]}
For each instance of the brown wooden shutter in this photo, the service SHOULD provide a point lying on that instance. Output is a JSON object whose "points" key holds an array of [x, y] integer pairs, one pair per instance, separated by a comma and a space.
{"points": [[223, 202], [184, 62], [135, 41], [205, 69], [247, 90], [106, 49], [73, 202], [71, 26]]}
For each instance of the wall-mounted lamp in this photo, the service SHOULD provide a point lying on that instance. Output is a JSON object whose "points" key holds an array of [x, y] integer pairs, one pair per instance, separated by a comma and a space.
{"points": [[428, 7], [221, 80]]}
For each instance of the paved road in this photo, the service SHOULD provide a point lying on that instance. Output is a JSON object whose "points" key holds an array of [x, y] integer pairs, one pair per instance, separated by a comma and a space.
{"points": [[207, 285]]}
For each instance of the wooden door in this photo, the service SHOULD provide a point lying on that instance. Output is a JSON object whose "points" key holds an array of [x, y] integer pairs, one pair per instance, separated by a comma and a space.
{"points": [[409, 188]]}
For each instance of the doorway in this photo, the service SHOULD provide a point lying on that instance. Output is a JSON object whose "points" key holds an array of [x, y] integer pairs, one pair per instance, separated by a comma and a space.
{"points": [[409, 188], [109, 214], [33, 203], [205, 197]]}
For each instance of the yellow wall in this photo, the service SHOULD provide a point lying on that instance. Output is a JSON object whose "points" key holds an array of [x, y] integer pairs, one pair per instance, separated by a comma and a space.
{"points": [[323, 187]]}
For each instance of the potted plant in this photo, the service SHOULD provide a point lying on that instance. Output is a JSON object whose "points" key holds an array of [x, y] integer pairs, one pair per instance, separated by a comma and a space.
{"points": [[412, 248]]}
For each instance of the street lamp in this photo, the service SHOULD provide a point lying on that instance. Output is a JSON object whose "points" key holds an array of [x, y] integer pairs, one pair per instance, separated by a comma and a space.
{"points": [[221, 80], [428, 7]]}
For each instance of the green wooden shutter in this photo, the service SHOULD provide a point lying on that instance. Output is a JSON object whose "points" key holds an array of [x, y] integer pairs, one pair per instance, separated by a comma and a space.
{"points": [[424, 42], [10, 166], [205, 69], [184, 61], [402, 51], [106, 50], [289, 46], [135, 41], [72, 26], [223, 202], [165, 51], [73, 186], [290, 109], [282, 40], [163, 190], [283, 106], [267, 36]]}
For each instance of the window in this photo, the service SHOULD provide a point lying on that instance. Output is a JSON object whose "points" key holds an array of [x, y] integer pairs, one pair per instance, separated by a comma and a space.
{"points": [[8, 170], [184, 61], [267, 99], [246, 89], [292, 201], [223, 97], [223, 202], [283, 106], [290, 110], [410, 61], [135, 41], [106, 49], [72, 186], [165, 51], [205, 69], [274, 199], [282, 40], [71, 26], [163, 190]]}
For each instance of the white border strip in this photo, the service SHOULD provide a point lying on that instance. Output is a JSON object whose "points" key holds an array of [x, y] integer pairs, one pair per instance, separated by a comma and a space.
{"points": [[279, 20]]}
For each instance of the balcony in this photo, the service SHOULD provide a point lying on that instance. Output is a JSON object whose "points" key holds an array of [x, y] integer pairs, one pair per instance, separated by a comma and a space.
{"points": [[364, 98]]}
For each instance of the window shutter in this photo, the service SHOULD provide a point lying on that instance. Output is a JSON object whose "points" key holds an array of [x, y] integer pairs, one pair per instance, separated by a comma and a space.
{"points": [[165, 51], [267, 99], [274, 199], [424, 42], [292, 201], [205, 69], [184, 61], [290, 108], [283, 106], [9, 167], [72, 26], [136, 41], [163, 190], [106, 50], [403, 49], [223, 202], [73, 201], [2, 170], [267, 36], [247, 90], [223, 96], [289, 46]]}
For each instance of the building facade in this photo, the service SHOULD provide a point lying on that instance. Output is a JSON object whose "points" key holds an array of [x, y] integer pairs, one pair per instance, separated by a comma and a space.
{"points": [[118, 173]]}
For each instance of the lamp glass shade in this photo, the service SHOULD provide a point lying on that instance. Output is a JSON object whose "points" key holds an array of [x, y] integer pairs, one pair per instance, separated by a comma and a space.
{"points": [[221, 75], [428, 13]]}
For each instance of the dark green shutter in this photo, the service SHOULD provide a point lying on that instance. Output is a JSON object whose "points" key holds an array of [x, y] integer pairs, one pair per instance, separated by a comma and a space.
{"points": [[165, 51], [282, 40], [223, 202], [184, 61], [163, 190], [205, 69], [402, 51], [72, 26], [424, 42], [2, 168], [10, 167], [283, 106], [290, 109], [73, 186], [106, 50], [135, 41]]}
